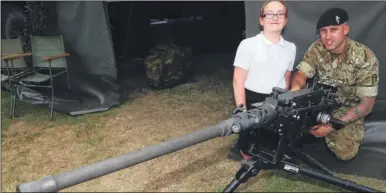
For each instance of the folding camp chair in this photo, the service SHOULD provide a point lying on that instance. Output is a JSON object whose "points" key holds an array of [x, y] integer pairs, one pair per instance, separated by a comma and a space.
{"points": [[13, 66], [47, 54]]}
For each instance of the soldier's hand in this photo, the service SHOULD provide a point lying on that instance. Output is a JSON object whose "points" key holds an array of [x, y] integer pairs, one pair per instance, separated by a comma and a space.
{"points": [[321, 130]]}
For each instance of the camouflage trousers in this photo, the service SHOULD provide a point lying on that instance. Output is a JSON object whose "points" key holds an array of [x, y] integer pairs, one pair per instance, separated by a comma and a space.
{"points": [[345, 142]]}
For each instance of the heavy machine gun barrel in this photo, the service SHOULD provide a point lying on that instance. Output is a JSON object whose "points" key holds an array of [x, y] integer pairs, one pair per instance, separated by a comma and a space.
{"points": [[68, 179]]}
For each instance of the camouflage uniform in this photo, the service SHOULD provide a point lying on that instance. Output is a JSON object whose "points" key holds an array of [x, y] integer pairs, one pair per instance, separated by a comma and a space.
{"points": [[356, 74]]}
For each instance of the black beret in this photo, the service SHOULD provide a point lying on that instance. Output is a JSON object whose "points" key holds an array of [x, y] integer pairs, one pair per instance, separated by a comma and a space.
{"points": [[333, 16]]}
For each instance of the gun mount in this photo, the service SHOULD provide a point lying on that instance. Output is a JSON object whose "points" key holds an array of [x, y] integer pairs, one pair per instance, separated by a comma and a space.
{"points": [[289, 114]]}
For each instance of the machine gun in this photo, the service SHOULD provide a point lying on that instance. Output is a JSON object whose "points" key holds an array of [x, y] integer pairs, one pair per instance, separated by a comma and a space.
{"points": [[289, 114]]}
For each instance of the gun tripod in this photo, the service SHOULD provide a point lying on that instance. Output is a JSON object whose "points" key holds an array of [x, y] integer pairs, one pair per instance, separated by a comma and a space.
{"points": [[280, 161]]}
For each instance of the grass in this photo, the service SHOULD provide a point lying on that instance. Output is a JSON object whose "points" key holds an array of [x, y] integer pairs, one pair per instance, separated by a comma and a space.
{"points": [[34, 147]]}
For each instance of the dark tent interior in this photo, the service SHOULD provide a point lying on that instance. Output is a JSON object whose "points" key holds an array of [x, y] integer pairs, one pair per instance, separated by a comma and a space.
{"points": [[205, 32], [108, 41], [133, 34]]}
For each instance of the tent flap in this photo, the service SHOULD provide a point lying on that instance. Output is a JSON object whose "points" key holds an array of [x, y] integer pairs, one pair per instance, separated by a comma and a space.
{"points": [[84, 26]]}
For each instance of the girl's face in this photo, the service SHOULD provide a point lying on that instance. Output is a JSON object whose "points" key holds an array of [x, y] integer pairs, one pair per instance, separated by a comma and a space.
{"points": [[274, 17]]}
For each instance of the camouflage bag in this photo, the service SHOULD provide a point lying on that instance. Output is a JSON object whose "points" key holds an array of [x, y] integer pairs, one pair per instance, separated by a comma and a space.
{"points": [[167, 65]]}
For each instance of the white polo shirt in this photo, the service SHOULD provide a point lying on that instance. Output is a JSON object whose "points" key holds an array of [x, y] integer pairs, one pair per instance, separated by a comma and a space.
{"points": [[266, 62]]}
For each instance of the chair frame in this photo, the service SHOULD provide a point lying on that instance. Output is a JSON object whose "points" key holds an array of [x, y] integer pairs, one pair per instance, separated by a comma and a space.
{"points": [[13, 78], [19, 79]]}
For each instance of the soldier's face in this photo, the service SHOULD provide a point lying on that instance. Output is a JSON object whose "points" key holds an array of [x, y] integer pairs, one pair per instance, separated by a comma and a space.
{"points": [[333, 37], [274, 17]]}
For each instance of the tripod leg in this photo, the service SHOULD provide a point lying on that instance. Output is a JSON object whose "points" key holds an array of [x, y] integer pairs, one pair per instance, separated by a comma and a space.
{"points": [[247, 170], [310, 159], [232, 186], [346, 184], [318, 164]]}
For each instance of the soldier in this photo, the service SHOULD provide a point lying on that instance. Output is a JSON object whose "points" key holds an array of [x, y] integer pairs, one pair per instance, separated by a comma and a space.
{"points": [[353, 68]]}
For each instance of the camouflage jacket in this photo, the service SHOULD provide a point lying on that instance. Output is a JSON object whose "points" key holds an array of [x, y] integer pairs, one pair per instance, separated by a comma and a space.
{"points": [[355, 72]]}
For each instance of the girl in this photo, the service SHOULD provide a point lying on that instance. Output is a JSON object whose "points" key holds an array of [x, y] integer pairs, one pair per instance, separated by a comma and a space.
{"points": [[261, 63]]}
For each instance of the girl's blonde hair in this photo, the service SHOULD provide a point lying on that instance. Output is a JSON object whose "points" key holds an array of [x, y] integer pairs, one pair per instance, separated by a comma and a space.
{"points": [[269, 1]]}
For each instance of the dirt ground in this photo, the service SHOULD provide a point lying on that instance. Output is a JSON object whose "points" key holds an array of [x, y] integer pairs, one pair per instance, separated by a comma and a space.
{"points": [[34, 147]]}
